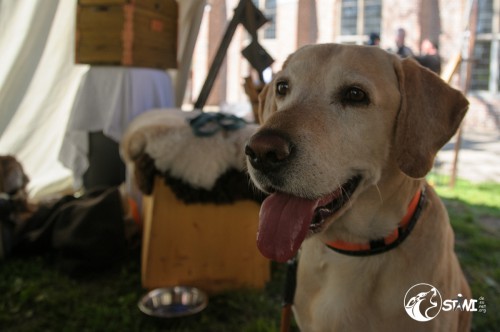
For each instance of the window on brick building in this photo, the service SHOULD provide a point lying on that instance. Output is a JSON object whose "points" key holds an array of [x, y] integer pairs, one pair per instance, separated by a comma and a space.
{"points": [[358, 19], [268, 8], [486, 67]]}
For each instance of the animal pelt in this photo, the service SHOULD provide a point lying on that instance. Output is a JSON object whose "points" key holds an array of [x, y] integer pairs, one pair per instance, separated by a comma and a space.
{"points": [[231, 186], [207, 169]]}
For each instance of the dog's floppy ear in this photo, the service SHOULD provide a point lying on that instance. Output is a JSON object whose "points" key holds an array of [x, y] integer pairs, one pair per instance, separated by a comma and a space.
{"points": [[430, 114], [267, 102]]}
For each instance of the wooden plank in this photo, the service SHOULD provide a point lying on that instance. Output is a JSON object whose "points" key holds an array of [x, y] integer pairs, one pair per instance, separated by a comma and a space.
{"points": [[104, 19], [219, 56], [466, 78], [451, 68], [102, 2], [164, 7]]}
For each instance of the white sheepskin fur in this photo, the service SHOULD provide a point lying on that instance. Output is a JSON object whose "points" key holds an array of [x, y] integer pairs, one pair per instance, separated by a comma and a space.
{"points": [[166, 136]]}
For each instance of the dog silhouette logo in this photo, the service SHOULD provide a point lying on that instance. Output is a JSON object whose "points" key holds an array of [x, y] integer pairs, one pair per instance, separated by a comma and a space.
{"points": [[423, 302]]}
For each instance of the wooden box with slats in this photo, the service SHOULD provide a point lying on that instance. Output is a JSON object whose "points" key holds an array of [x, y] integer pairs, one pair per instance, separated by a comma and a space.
{"points": [[209, 246], [138, 33]]}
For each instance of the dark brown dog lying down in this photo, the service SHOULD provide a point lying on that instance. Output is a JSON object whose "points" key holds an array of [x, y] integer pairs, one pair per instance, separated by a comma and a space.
{"points": [[348, 134], [87, 233]]}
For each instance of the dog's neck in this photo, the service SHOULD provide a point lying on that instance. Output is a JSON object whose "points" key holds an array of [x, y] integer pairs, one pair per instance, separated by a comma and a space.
{"points": [[377, 212], [389, 242]]}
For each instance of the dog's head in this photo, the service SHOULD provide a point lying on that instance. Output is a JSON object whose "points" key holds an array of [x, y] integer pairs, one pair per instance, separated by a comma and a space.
{"points": [[332, 120]]}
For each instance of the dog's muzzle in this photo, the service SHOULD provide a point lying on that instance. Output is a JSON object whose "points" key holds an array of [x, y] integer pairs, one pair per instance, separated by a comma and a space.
{"points": [[269, 150]]}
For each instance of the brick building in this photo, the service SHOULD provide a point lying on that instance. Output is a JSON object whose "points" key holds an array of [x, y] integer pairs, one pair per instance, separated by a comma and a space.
{"points": [[294, 23]]}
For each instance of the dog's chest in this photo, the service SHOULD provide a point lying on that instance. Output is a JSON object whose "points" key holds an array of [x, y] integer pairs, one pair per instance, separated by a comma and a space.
{"points": [[334, 290]]}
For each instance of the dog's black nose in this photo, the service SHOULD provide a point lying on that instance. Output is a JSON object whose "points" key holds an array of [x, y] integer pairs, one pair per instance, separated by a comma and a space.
{"points": [[268, 150]]}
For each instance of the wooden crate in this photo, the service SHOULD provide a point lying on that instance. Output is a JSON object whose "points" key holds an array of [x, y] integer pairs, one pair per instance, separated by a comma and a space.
{"points": [[209, 246], [127, 35]]}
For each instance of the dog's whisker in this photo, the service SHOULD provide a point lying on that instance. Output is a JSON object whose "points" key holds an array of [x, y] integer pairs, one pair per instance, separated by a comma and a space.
{"points": [[379, 193], [347, 195]]}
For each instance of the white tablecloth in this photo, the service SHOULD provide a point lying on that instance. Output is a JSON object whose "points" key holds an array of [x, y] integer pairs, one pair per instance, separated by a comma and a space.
{"points": [[108, 99]]}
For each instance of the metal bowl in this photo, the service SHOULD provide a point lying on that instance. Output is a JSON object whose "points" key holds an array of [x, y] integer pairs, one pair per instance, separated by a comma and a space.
{"points": [[175, 301]]}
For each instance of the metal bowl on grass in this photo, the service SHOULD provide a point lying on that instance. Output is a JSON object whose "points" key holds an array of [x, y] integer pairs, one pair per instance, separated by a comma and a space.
{"points": [[175, 301]]}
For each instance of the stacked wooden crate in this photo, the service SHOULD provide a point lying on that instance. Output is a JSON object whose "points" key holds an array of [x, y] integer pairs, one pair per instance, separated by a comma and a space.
{"points": [[139, 33]]}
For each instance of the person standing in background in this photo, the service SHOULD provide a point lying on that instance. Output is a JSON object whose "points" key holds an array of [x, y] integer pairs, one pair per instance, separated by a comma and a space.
{"points": [[374, 39], [429, 56], [402, 50]]}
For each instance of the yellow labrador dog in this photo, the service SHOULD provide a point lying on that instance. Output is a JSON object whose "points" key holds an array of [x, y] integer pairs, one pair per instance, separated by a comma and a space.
{"points": [[348, 134]]}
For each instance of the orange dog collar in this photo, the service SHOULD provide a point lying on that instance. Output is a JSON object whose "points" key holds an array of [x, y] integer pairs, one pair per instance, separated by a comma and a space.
{"points": [[389, 242]]}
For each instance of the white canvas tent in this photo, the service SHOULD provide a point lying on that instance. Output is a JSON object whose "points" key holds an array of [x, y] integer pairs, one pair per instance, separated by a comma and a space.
{"points": [[39, 81]]}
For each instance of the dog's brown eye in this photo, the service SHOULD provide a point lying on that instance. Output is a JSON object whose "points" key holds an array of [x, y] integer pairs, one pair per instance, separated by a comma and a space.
{"points": [[282, 88], [355, 95]]}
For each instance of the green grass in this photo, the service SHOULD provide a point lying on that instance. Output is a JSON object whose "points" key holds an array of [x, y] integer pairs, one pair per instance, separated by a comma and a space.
{"points": [[35, 296], [474, 211]]}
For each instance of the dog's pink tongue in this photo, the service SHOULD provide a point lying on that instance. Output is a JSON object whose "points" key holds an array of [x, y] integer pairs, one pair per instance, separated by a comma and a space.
{"points": [[284, 223]]}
